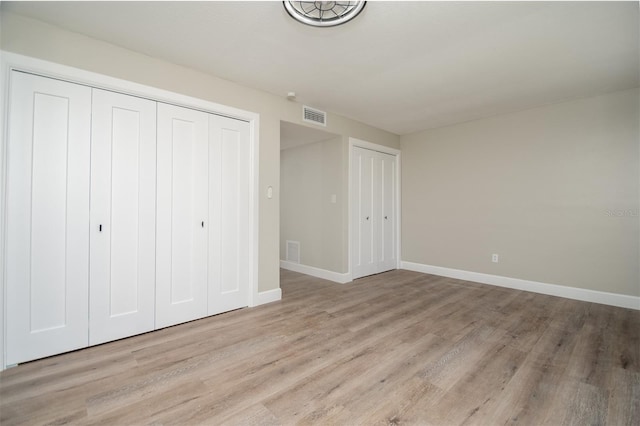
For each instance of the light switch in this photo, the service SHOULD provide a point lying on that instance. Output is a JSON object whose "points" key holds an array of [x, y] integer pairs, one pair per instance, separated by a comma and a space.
{"points": [[270, 192]]}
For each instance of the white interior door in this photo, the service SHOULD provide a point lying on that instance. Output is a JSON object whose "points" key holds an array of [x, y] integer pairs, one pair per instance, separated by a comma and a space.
{"points": [[123, 222], [373, 212], [363, 254], [181, 260], [228, 214], [47, 217], [386, 232]]}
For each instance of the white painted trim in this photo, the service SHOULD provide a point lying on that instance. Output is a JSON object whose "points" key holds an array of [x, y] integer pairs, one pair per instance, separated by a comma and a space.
{"points": [[11, 61], [583, 294], [349, 205], [337, 277], [4, 107], [399, 210], [353, 142], [254, 210], [268, 296], [373, 146]]}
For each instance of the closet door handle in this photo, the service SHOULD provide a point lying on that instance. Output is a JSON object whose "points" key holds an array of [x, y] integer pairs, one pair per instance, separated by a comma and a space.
{"points": [[203, 224], [100, 228], [386, 217], [367, 217]]}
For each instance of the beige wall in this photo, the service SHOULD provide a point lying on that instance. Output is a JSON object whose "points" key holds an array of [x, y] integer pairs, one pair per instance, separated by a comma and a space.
{"points": [[535, 186], [310, 175], [553, 190], [36, 39]]}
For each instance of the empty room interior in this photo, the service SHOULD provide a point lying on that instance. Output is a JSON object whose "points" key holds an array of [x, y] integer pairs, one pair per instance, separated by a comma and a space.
{"points": [[331, 212]]}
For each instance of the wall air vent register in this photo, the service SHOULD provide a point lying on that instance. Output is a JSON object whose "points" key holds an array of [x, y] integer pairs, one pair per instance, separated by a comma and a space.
{"points": [[315, 116]]}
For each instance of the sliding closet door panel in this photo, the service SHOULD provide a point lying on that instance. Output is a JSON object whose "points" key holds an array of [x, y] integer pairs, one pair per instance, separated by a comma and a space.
{"points": [[182, 217], [362, 221], [47, 217], [123, 202], [386, 249], [229, 214]]}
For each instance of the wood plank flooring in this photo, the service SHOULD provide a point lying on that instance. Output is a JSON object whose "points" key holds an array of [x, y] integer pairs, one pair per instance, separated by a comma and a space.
{"points": [[395, 348]]}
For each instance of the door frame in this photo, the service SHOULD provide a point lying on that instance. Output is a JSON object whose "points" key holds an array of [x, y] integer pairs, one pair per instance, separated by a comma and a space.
{"points": [[353, 143], [14, 62]]}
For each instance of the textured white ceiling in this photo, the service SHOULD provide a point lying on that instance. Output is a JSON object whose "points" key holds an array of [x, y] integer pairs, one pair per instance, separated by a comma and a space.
{"points": [[399, 66]]}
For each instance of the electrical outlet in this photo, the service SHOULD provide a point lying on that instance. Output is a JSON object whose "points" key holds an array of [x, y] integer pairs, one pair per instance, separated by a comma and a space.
{"points": [[494, 258]]}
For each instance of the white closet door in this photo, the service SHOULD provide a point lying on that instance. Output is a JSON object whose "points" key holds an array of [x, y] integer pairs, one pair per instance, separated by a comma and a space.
{"points": [[228, 214], [181, 259], [363, 251], [373, 212], [386, 232], [47, 217], [123, 210]]}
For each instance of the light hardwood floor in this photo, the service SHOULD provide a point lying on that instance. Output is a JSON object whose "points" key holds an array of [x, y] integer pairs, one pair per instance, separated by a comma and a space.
{"points": [[395, 348]]}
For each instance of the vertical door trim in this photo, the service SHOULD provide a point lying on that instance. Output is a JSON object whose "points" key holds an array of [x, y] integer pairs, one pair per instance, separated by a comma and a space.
{"points": [[10, 61], [353, 143]]}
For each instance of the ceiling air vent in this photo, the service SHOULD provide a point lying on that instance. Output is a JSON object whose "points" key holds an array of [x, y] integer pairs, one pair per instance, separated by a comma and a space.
{"points": [[311, 115]]}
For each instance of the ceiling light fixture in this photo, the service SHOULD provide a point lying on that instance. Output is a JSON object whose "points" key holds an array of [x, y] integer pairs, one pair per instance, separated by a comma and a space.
{"points": [[323, 13]]}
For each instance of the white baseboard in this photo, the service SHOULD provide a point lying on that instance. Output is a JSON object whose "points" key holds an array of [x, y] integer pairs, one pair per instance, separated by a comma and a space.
{"points": [[337, 277], [268, 296], [613, 299]]}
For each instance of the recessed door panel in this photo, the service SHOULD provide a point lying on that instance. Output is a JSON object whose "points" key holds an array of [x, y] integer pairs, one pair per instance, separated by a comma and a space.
{"points": [[47, 217], [49, 211], [229, 214], [123, 195], [182, 215]]}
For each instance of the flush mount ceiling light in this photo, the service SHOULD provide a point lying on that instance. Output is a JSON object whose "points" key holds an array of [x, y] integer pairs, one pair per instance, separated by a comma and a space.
{"points": [[323, 13]]}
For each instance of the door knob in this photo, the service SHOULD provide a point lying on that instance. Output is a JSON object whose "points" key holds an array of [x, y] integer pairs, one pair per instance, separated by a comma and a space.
{"points": [[367, 217], [386, 217]]}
